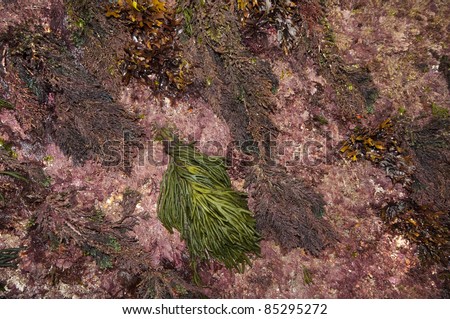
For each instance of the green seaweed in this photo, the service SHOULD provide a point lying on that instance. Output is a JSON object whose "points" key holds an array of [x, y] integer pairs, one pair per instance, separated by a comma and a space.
{"points": [[103, 260], [114, 243], [9, 257], [6, 105], [197, 200], [8, 147], [14, 175], [320, 119], [307, 277], [439, 111]]}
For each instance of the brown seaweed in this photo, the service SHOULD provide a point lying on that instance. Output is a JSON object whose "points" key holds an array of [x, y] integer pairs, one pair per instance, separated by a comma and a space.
{"points": [[381, 147], [427, 228], [419, 159], [153, 55]]}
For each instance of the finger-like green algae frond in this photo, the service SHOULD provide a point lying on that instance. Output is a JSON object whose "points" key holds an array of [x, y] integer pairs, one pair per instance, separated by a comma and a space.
{"points": [[197, 200]]}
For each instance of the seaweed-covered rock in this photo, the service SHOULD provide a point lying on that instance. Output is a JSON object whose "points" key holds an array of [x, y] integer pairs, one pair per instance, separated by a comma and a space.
{"points": [[77, 112], [152, 55]]}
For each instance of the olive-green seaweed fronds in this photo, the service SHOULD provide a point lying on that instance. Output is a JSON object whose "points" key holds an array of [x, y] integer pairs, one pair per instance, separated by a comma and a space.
{"points": [[197, 200], [9, 257]]}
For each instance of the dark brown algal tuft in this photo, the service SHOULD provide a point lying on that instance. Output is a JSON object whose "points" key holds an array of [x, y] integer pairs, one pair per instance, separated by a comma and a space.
{"points": [[444, 67], [288, 211], [21, 188], [431, 147]]}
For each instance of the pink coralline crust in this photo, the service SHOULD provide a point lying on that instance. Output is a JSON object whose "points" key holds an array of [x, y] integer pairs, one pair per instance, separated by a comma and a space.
{"points": [[400, 43], [8, 119], [192, 117]]}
